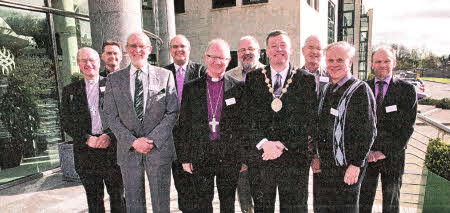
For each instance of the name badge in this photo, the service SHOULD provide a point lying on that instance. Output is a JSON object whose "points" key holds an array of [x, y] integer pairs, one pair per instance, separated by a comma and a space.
{"points": [[333, 112], [392, 108], [230, 101], [324, 79], [102, 89]]}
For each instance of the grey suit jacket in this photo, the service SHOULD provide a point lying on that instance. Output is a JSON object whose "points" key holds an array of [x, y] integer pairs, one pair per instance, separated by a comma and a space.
{"points": [[159, 118], [236, 72]]}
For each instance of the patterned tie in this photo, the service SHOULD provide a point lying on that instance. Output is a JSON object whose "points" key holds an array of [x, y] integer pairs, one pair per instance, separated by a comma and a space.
{"points": [[380, 111], [278, 87], [139, 96]]}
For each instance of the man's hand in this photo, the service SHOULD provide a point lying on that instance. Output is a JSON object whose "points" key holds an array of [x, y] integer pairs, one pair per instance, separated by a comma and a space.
{"points": [[142, 145], [351, 175], [271, 150], [315, 166], [92, 142], [187, 167], [374, 156], [279, 145], [103, 141], [243, 168]]}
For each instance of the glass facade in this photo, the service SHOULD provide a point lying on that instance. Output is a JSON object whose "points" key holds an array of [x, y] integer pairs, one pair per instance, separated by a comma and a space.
{"points": [[331, 22], [37, 58], [363, 46]]}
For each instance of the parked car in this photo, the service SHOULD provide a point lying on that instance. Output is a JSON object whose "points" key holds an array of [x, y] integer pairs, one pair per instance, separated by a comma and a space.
{"points": [[418, 85]]}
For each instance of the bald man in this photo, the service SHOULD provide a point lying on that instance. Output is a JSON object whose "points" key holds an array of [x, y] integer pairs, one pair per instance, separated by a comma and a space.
{"points": [[94, 145]]}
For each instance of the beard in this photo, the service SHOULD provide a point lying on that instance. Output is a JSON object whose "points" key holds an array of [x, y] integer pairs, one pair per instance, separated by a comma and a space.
{"points": [[251, 65]]}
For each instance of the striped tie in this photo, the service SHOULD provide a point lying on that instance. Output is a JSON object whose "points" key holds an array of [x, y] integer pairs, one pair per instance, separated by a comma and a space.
{"points": [[139, 97]]}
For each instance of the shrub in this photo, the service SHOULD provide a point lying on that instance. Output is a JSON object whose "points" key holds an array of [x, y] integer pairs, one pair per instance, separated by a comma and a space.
{"points": [[437, 158], [444, 103], [428, 101]]}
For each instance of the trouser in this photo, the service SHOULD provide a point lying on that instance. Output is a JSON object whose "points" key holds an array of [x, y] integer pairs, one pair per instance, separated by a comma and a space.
{"points": [[292, 184], [158, 176], [226, 178], [391, 170], [93, 185], [244, 195], [336, 195], [184, 183]]}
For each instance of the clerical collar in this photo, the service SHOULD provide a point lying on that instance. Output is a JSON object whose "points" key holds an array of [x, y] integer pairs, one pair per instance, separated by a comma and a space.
{"points": [[209, 78], [342, 81], [184, 66], [387, 79], [93, 81]]}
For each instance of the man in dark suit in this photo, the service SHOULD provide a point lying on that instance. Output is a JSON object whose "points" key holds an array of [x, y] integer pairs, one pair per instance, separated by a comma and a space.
{"points": [[141, 108], [184, 71], [208, 145], [312, 52], [94, 145], [346, 131], [396, 115], [111, 56], [279, 119]]}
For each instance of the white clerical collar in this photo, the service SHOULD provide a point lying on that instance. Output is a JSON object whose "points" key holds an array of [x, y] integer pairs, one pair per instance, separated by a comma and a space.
{"points": [[184, 66], [144, 69], [283, 73], [93, 81], [216, 79]]}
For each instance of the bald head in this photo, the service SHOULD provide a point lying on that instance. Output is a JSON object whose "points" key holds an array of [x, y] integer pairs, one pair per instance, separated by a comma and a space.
{"points": [[89, 62], [180, 49], [217, 57], [312, 51]]}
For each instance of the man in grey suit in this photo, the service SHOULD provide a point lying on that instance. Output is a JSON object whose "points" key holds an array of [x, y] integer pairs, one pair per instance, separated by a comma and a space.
{"points": [[248, 58], [141, 107]]}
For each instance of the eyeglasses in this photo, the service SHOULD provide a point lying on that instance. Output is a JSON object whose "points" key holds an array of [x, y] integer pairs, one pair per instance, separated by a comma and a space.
{"points": [[216, 57], [242, 50], [178, 46], [134, 46]]}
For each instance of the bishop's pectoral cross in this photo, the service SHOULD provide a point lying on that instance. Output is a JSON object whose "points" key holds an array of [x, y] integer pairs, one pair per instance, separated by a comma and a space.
{"points": [[213, 123]]}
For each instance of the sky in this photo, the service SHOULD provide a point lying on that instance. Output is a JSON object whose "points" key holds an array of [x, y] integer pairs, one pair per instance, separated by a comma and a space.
{"points": [[413, 23]]}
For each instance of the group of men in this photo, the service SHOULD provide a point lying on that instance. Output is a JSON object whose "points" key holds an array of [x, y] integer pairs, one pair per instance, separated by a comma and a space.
{"points": [[256, 128]]}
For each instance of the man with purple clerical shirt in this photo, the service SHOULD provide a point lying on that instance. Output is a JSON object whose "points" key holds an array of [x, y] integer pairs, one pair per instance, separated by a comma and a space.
{"points": [[208, 144], [184, 71]]}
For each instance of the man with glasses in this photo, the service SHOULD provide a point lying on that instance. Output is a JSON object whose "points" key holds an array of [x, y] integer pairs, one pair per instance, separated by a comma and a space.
{"points": [[141, 107], [184, 71], [278, 123], [94, 145], [208, 146]]}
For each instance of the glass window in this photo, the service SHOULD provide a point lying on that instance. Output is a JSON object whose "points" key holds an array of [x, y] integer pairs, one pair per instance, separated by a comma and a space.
{"points": [[147, 4], [75, 6], [179, 6], [362, 75], [32, 2], [30, 129], [347, 19], [223, 3], [331, 22], [363, 37], [246, 2]]}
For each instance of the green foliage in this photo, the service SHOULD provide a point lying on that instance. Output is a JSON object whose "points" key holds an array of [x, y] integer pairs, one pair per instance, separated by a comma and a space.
{"points": [[437, 158], [444, 103], [428, 101], [371, 75], [76, 77]]}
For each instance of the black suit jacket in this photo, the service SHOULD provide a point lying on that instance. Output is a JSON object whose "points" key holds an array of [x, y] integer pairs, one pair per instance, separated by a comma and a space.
{"points": [[76, 122], [193, 143], [194, 71], [395, 128], [293, 125]]}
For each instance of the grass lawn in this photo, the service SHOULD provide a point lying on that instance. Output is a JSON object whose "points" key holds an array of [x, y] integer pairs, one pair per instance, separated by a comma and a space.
{"points": [[439, 80], [437, 194]]}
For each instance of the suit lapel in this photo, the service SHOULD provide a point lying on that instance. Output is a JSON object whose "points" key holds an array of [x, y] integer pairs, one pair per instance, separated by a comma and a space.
{"points": [[84, 103], [153, 87], [390, 93], [203, 112], [125, 83]]}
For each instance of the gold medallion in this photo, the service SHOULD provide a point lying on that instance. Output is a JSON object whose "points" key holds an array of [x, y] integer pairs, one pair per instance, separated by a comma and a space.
{"points": [[277, 104]]}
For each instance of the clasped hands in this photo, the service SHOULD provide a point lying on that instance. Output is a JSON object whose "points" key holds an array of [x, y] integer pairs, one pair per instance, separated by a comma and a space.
{"points": [[142, 145], [374, 156], [101, 141], [272, 150]]}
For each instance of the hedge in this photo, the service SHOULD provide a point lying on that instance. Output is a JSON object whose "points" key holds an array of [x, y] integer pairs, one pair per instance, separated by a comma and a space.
{"points": [[443, 103], [437, 158]]}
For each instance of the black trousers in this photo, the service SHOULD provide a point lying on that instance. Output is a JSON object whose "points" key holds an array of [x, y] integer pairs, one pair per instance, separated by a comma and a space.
{"points": [[93, 185], [336, 195], [226, 177], [184, 184], [291, 181], [244, 195], [391, 171]]}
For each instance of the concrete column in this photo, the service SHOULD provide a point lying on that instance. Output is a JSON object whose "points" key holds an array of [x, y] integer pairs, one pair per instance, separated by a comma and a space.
{"points": [[166, 16], [115, 20]]}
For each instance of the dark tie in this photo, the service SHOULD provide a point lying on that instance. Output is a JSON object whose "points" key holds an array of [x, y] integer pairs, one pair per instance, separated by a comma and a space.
{"points": [[380, 98], [139, 96], [278, 87]]}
